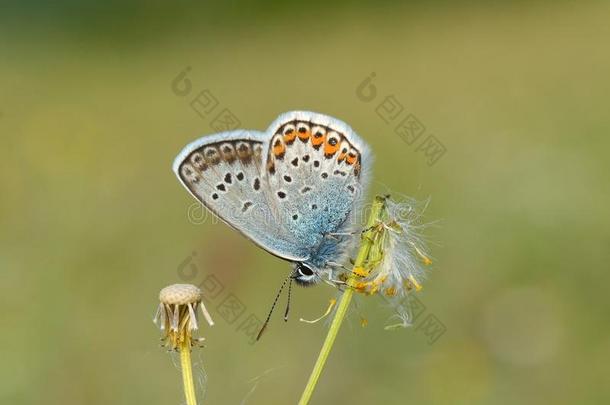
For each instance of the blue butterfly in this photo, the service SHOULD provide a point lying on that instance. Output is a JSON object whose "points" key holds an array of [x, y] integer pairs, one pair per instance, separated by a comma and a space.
{"points": [[295, 190]]}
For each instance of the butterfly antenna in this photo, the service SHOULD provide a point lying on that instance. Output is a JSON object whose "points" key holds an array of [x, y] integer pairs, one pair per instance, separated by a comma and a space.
{"points": [[288, 302], [272, 307]]}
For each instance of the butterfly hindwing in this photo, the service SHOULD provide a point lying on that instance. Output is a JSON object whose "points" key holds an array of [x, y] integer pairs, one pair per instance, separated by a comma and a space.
{"points": [[226, 173], [315, 165]]}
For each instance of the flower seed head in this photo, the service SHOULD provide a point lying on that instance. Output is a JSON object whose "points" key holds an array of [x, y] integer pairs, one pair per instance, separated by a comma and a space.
{"points": [[397, 258], [177, 314], [180, 294]]}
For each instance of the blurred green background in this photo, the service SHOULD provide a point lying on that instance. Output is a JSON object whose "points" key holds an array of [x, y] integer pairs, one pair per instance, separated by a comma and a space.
{"points": [[94, 223]]}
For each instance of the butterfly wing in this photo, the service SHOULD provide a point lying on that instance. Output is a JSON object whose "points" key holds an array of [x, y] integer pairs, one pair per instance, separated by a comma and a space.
{"points": [[226, 173], [318, 167]]}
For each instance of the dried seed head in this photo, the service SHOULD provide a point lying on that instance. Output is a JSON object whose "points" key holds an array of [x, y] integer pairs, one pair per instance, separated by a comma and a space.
{"points": [[177, 314], [397, 258], [180, 294]]}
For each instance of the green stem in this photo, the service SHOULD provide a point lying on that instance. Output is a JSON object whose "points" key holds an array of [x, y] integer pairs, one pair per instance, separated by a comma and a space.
{"points": [[361, 258], [187, 372]]}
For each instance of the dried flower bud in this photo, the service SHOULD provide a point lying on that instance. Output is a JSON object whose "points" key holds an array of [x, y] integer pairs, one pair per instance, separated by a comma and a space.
{"points": [[177, 314]]}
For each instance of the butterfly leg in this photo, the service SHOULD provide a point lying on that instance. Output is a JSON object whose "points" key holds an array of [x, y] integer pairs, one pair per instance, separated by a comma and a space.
{"points": [[339, 265], [338, 284], [373, 227], [353, 271], [335, 235]]}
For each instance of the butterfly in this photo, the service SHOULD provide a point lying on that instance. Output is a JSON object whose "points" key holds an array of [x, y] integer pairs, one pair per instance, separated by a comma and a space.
{"points": [[294, 190]]}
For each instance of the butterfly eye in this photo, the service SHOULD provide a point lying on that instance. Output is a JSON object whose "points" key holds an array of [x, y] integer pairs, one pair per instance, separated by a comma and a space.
{"points": [[304, 271]]}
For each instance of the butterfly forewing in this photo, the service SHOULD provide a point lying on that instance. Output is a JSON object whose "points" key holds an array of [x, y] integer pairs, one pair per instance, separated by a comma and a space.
{"points": [[226, 172]]}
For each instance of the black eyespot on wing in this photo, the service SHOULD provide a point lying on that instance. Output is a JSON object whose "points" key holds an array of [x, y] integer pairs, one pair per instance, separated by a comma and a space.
{"points": [[221, 187], [281, 194], [271, 167], [257, 184], [295, 217], [214, 196], [324, 175], [305, 158], [295, 162], [228, 178], [316, 163], [240, 176], [314, 207], [305, 189], [287, 178], [246, 206], [351, 189]]}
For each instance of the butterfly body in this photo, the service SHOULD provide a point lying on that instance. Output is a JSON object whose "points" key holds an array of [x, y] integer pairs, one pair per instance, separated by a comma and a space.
{"points": [[290, 189]]}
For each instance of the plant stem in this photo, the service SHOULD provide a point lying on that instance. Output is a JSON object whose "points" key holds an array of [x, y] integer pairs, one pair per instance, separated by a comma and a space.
{"points": [[361, 258], [187, 371]]}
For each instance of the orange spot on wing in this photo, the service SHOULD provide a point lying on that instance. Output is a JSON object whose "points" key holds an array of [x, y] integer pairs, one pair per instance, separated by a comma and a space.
{"points": [[279, 150], [329, 148], [304, 136], [351, 158], [341, 157], [289, 137], [317, 139]]}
